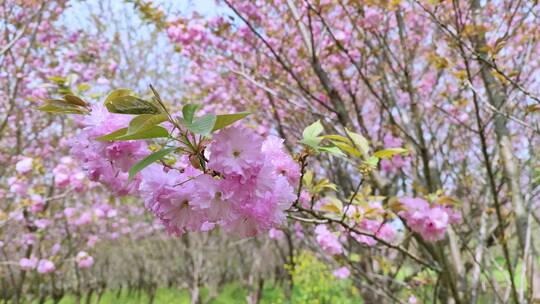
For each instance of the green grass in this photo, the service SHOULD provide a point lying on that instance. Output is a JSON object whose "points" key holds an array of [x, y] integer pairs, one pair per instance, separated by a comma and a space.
{"points": [[314, 284], [163, 295], [231, 293]]}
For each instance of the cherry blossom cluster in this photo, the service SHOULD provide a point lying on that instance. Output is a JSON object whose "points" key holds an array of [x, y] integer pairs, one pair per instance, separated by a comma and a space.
{"points": [[107, 162], [431, 222], [248, 184]]}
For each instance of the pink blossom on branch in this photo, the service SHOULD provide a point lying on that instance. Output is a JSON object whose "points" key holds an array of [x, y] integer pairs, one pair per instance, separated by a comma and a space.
{"points": [[25, 165], [328, 241], [84, 260], [242, 199], [431, 222], [342, 273], [28, 263], [45, 266], [107, 162]]}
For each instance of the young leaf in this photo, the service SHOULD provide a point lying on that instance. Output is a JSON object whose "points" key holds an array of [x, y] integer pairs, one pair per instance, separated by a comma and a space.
{"points": [[83, 87], [372, 161], [324, 184], [311, 134], [128, 104], [188, 112], [117, 93], [61, 106], [332, 150], [332, 204], [113, 135], [337, 138], [308, 178], [390, 152], [313, 130], [227, 119], [75, 100], [202, 125], [145, 121], [360, 141], [148, 161], [345, 147], [57, 79], [152, 132]]}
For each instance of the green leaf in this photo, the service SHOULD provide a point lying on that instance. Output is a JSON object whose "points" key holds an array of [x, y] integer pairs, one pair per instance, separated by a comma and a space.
{"points": [[117, 93], [145, 121], [332, 204], [122, 134], [75, 100], [308, 178], [113, 135], [57, 79], [311, 134], [324, 184], [202, 125], [188, 111], [152, 132], [130, 105], [83, 87], [347, 148], [332, 150], [372, 161], [61, 106], [355, 257], [360, 141], [337, 138], [227, 119], [147, 161], [390, 152], [313, 130]]}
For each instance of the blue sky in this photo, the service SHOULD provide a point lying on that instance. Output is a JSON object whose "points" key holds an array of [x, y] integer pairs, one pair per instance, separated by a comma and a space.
{"points": [[79, 12]]}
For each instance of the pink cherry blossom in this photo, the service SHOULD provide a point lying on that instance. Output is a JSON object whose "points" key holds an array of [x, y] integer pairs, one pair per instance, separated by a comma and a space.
{"points": [[327, 240], [84, 260], [45, 266], [430, 222], [24, 165], [435, 224], [276, 234], [28, 263], [119, 156], [235, 151], [342, 273]]}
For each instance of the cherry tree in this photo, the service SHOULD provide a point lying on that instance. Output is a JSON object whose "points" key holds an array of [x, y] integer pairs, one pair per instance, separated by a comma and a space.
{"points": [[395, 138]]}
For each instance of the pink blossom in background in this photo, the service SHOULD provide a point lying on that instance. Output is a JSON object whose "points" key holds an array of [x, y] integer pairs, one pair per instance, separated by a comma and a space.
{"points": [[25, 165], [276, 234], [84, 260], [28, 263], [17, 186], [45, 266], [415, 211], [38, 203], [42, 223], [435, 224], [56, 248], [386, 232], [92, 240], [298, 230], [430, 222], [327, 240], [342, 273]]}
